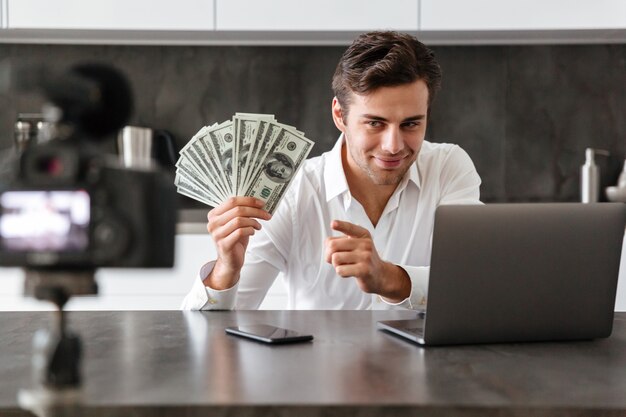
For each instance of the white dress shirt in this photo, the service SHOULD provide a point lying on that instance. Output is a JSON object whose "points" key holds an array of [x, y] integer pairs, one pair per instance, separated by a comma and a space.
{"points": [[292, 242]]}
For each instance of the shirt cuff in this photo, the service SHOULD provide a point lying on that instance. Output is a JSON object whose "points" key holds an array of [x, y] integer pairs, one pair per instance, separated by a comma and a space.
{"points": [[419, 288], [202, 297]]}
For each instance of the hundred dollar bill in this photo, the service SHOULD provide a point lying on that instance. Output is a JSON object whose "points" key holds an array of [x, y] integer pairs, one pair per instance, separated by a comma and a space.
{"points": [[186, 167], [257, 115], [200, 133], [257, 142], [263, 145], [201, 147], [220, 145], [249, 143], [200, 165], [281, 163], [183, 191], [193, 138], [292, 128], [193, 192], [183, 175], [245, 130], [195, 163], [250, 155]]}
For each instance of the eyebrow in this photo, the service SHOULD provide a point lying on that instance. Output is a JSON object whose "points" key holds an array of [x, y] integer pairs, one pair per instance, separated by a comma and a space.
{"points": [[382, 119]]}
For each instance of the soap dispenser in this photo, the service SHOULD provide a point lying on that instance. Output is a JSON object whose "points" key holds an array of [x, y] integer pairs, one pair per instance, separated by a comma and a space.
{"points": [[590, 176], [621, 181]]}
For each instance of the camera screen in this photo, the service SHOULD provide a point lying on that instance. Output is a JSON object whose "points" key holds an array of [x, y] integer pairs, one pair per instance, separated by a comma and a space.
{"points": [[44, 221]]}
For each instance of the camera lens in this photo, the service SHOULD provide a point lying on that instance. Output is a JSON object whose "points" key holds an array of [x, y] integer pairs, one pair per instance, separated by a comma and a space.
{"points": [[110, 238], [50, 165]]}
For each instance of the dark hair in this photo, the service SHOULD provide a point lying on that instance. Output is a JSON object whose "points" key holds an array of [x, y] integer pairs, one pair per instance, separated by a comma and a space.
{"points": [[384, 59]]}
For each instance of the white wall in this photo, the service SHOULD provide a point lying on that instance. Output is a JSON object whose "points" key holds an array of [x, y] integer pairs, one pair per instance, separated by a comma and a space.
{"points": [[164, 289], [134, 289]]}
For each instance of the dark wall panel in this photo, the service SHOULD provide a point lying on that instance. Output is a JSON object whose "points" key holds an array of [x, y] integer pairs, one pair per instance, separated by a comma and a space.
{"points": [[524, 113]]}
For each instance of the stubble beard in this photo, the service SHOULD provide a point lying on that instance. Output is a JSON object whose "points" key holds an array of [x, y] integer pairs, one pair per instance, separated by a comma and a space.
{"points": [[381, 176]]}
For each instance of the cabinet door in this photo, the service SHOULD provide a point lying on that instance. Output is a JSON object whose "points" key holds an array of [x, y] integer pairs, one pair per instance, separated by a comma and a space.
{"points": [[111, 14], [3, 14], [319, 15], [521, 14]]}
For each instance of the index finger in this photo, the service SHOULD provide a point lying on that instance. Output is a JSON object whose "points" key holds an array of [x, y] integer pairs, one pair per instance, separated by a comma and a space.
{"points": [[349, 229], [237, 201]]}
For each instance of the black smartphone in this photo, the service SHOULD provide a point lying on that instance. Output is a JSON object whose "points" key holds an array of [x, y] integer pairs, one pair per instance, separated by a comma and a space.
{"points": [[268, 334]]}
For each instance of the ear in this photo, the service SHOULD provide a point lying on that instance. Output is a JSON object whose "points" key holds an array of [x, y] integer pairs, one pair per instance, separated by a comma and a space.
{"points": [[338, 115]]}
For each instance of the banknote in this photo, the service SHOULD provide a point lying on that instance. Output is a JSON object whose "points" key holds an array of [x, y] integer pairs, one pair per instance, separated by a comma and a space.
{"points": [[185, 172], [270, 134], [279, 166], [203, 173], [195, 164], [259, 123], [245, 130], [250, 155], [220, 140], [190, 190]]}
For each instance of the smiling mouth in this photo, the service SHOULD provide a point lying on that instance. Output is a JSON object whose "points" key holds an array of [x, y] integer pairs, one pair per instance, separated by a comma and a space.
{"points": [[388, 163]]}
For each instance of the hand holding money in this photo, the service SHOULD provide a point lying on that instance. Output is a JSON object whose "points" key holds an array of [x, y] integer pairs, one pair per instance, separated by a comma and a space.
{"points": [[243, 168], [251, 155], [231, 224]]}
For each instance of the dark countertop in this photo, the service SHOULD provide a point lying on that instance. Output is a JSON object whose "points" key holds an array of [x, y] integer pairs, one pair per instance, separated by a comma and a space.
{"points": [[182, 363]]}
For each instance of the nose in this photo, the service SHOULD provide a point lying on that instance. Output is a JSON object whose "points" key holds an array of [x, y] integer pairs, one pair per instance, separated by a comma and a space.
{"points": [[392, 141]]}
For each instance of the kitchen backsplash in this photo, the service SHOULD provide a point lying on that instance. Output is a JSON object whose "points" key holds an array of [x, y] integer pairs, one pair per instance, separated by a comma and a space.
{"points": [[525, 114]]}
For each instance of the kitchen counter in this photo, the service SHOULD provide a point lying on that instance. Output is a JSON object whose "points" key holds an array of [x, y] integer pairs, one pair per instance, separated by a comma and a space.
{"points": [[182, 363], [192, 221]]}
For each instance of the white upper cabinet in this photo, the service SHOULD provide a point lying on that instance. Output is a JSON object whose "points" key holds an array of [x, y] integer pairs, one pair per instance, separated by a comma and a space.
{"points": [[310, 22], [477, 15], [111, 14], [3, 14], [318, 15]]}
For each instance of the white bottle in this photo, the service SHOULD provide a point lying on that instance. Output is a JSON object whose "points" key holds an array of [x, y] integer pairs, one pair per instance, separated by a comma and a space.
{"points": [[621, 181], [590, 176]]}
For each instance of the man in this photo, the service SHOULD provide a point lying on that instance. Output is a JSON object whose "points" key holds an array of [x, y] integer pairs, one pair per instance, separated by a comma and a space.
{"points": [[354, 230]]}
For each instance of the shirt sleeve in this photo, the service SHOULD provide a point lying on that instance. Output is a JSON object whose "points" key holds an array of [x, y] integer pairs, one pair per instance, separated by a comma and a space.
{"points": [[459, 184], [419, 288], [266, 257], [257, 277], [201, 297]]}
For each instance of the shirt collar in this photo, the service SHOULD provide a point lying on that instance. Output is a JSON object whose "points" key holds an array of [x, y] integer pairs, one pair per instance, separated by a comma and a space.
{"points": [[335, 177], [414, 174]]}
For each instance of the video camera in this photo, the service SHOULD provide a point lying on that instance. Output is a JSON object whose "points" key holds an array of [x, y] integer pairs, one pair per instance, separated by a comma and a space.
{"points": [[72, 207], [69, 208]]}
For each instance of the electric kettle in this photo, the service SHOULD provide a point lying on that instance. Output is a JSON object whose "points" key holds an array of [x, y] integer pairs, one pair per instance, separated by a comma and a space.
{"points": [[142, 147]]}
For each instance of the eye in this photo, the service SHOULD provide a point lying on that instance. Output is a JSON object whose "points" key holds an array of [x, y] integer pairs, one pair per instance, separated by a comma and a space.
{"points": [[374, 123], [411, 125]]}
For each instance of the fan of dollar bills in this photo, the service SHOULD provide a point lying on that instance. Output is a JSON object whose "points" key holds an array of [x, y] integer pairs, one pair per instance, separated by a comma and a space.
{"points": [[250, 155]]}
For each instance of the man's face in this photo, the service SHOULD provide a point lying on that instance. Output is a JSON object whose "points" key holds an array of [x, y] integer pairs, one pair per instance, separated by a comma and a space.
{"points": [[384, 131]]}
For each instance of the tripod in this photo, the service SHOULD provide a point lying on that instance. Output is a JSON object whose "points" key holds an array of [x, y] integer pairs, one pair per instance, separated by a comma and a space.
{"points": [[57, 351]]}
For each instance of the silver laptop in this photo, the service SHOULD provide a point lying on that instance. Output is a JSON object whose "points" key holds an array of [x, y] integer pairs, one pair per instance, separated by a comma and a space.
{"points": [[519, 273]]}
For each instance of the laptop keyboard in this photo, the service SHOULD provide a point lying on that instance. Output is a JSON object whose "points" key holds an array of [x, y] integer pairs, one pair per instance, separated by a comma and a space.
{"points": [[418, 331]]}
